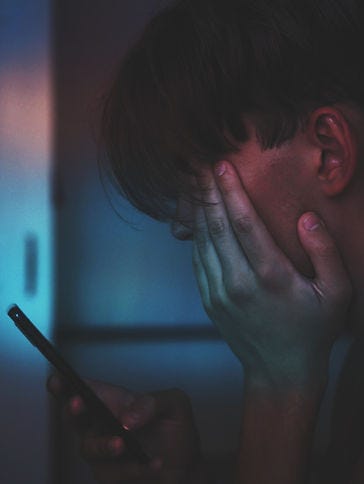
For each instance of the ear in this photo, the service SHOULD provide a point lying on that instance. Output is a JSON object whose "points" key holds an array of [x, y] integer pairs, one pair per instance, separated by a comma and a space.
{"points": [[332, 133]]}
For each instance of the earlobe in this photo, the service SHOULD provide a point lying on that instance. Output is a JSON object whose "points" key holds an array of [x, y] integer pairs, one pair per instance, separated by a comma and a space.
{"points": [[334, 136]]}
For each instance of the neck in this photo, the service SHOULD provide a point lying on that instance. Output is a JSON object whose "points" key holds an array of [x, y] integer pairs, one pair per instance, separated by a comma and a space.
{"points": [[350, 240]]}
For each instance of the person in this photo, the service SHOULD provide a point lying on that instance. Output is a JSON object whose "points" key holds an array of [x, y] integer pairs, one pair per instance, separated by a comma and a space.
{"points": [[241, 123]]}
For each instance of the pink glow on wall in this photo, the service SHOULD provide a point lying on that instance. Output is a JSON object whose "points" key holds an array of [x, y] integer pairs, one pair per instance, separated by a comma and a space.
{"points": [[26, 118]]}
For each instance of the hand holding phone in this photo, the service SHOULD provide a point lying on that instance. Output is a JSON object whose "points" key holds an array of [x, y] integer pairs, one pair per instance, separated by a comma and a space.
{"points": [[104, 419]]}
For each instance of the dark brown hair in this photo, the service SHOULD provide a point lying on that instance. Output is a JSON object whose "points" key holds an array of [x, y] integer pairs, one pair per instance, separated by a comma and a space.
{"points": [[181, 90]]}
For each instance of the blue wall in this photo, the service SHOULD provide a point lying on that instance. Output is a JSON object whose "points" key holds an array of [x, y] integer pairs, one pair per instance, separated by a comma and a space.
{"points": [[25, 214]]}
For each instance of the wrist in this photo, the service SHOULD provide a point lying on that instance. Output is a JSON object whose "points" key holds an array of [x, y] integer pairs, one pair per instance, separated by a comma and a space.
{"points": [[278, 422], [273, 401], [306, 376]]}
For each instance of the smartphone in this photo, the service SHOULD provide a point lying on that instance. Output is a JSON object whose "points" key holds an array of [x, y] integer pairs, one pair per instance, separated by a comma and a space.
{"points": [[102, 416]]}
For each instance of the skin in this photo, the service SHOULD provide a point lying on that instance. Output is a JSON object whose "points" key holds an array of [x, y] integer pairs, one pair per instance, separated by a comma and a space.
{"points": [[279, 293], [254, 294], [161, 421], [319, 170], [280, 324]]}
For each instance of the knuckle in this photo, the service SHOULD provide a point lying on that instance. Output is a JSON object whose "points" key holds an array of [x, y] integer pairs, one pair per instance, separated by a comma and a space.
{"points": [[144, 406], [202, 182], [243, 225], [202, 240], [227, 184], [207, 191], [266, 273], [217, 227], [235, 291], [272, 278], [217, 302], [239, 290]]}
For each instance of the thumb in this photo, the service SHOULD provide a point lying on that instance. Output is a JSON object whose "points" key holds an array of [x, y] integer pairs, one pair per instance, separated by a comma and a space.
{"points": [[331, 278]]}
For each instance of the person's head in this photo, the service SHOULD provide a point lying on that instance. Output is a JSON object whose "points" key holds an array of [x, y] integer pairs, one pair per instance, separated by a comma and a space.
{"points": [[275, 86]]}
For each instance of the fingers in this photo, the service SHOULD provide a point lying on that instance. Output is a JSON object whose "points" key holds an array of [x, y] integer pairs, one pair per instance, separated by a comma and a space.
{"points": [[181, 228], [94, 447], [219, 229], [219, 260], [245, 249], [139, 413], [107, 456], [331, 281], [172, 403], [75, 410], [133, 411], [113, 396], [201, 278], [259, 249], [258, 245], [207, 253]]}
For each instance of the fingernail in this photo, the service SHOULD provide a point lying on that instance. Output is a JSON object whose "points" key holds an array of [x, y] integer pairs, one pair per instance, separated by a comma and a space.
{"points": [[116, 446], [130, 420], [220, 168], [312, 222]]}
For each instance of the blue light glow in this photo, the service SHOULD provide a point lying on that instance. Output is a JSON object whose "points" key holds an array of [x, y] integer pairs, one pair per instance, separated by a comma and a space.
{"points": [[25, 138]]}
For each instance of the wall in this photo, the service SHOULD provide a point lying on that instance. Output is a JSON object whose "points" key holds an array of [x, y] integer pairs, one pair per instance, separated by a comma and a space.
{"points": [[25, 235]]}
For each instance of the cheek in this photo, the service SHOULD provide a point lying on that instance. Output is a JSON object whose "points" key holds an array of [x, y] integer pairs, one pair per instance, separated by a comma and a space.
{"points": [[280, 207]]}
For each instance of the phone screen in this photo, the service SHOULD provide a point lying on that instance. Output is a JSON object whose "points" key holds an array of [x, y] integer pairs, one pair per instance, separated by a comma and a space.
{"points": [[102, 416]]}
